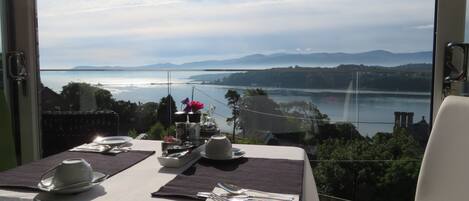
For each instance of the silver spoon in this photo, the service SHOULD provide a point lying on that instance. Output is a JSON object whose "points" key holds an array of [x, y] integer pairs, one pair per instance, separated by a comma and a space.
{"points": [[233, 189], [234, 197]]}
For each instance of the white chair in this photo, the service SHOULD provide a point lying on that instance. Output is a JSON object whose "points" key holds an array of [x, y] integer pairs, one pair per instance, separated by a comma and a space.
{"points": [[444, 175]]}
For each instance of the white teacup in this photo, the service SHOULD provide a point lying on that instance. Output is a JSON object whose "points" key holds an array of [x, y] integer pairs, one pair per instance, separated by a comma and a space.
{"points": [[71, 171], [218, 147]]}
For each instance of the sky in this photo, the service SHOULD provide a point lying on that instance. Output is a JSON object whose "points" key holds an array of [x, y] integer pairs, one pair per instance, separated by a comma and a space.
{"points": [[140, 32]]}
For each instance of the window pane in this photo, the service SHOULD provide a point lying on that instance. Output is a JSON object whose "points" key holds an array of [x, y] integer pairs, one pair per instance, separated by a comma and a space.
{"points": [[347, 81]]}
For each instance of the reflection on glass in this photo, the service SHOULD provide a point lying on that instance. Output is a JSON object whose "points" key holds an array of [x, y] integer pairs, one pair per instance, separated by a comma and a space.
{"points": [[282, 73], [342, 127]]}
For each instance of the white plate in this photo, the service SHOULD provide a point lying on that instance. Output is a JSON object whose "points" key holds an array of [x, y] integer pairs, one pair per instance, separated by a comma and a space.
{"points": [[97, 179], [112, 140], [237, 153]]}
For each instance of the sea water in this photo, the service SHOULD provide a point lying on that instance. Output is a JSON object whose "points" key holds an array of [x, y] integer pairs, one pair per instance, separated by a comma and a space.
{"points": [[369, 111]]}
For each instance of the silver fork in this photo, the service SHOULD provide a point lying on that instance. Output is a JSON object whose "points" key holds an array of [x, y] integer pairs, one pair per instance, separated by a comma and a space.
{"points": [[212, 196], [216, 197], [239, 197]]}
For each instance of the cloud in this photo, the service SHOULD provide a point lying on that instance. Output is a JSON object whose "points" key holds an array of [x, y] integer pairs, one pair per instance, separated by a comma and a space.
{"points": [[144, 31], [426, 26], [63, 8]]}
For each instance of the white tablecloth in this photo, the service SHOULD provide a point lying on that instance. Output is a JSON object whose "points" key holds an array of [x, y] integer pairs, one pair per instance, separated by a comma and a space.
{"points": [[137, 182]]}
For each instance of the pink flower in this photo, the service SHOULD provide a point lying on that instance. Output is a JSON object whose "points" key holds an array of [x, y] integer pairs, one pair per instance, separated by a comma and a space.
{"points": [[169, 139], [196, 106], [193, 106]]}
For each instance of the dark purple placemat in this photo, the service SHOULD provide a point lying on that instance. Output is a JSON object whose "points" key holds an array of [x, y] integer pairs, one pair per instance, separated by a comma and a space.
{"points": [[272, 175], [28, 175]]}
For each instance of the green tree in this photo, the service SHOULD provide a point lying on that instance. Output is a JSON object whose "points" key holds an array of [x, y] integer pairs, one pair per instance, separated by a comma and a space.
{"points": [[72, 93], [234, 100], [384, 167], [132, 133], [156, 132], [166, 109], [104, 99], [305, 117], [147, 114], [255, 92], [83, 96], [259, 113], [410, 77], [128, 112], [132, 116]]}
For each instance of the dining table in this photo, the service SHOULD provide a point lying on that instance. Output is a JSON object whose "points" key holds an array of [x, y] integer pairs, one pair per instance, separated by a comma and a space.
{"points": [[143, 178]]}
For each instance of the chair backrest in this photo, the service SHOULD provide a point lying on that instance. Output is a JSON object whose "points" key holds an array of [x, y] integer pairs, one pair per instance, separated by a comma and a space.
{"points": [[444, 175], [62, 130]]}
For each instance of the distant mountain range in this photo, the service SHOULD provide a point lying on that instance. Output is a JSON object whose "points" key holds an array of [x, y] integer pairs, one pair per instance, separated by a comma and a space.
{"points": [[376, 57]]}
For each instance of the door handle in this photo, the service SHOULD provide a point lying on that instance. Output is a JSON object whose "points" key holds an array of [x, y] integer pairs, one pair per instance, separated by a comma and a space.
{"points": [[20, 73], [451, 71], [455, 72]]}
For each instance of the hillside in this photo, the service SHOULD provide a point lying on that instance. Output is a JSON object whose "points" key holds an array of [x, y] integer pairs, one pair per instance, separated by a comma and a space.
{"points": [[410, 77]]}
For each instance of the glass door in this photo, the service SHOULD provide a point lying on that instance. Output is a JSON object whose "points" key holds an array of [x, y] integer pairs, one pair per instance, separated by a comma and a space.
{"points": [[351, 87], [19, 79], [450, 51], [7, 145]]}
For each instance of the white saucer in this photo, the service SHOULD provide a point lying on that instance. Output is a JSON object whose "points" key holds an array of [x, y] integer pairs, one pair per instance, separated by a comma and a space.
{"points": [[74, 188], [237, 153], [113, 140]]}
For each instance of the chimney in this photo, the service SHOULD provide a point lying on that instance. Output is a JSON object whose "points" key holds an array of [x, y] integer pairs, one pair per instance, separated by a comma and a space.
{"points": [[410, 119], [397, 120], [403, 119]]}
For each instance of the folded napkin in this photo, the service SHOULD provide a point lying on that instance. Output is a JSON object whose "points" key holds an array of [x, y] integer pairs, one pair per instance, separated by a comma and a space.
{"points": [[249, 195], [97, 148]]}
